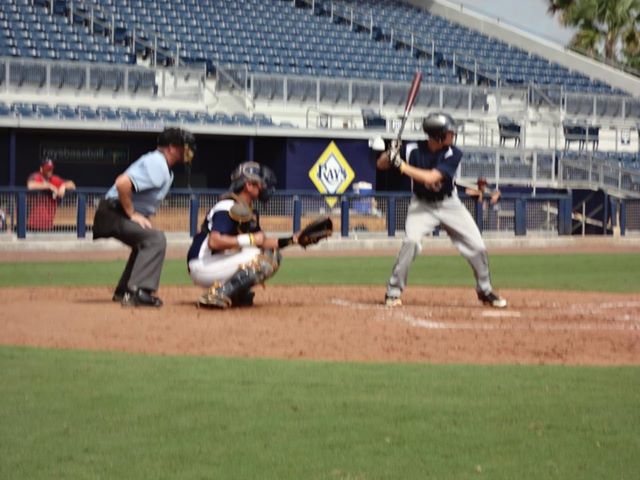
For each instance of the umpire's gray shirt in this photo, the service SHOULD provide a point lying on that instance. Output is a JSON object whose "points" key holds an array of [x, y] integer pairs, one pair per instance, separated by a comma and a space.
{"points": [[151, 179]]}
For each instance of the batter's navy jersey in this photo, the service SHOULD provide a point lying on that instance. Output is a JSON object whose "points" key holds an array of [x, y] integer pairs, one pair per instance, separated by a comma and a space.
{"points": [[445, 160], [219, 220]]}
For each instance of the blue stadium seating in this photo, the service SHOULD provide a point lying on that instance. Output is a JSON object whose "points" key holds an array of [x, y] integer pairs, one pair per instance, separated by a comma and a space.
{"points": [[45, 111], [5, 111], [65, 111], [167, 115], [274, 37], [40, 110], [85, 112], [107, 113], [241, 119], [187, 116]]}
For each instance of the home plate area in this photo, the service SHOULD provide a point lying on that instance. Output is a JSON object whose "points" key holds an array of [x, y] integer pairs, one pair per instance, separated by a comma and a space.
{"points": [[338, 323]]}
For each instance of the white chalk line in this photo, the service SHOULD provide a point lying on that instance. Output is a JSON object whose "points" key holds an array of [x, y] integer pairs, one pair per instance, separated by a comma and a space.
{"points": [[631, 323], [555, 327], [501, 313], [609, 305]]}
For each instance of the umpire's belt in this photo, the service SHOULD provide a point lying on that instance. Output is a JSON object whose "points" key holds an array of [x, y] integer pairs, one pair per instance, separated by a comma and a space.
{"points": [[112, 204]]}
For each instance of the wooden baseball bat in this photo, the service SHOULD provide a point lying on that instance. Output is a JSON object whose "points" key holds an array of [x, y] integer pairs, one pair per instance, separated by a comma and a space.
{"points": [[411, 98]]}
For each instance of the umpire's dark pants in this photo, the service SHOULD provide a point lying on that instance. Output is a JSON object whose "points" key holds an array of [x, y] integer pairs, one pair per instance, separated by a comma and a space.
{"points": [[148, 246]]}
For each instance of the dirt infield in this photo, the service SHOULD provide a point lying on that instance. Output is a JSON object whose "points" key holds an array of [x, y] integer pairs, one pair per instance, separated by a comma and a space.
{"points": [[436, 325], [347, 323]]}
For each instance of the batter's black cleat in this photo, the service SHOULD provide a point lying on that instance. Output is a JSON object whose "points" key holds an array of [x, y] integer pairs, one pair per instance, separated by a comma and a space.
{"points": [[492, 300], [392, 302], [141, 298]]}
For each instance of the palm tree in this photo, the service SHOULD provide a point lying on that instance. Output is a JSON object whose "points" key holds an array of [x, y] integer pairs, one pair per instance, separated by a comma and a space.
{"points": [[605, 28]]}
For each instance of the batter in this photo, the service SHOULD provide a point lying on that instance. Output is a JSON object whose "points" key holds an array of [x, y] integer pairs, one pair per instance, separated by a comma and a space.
{"points": [[432, 167]]}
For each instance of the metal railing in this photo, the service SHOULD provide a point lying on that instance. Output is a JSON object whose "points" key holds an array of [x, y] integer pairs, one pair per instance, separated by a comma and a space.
{"points": [[376, 215], [88, 78]]}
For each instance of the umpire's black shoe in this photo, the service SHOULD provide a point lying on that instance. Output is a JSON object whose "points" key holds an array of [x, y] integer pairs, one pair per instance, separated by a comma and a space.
{"points": [[118, 295], [141, 298]]}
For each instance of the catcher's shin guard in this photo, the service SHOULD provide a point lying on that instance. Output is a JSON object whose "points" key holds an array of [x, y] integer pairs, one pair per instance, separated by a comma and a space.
{"points": [[236, 289]]}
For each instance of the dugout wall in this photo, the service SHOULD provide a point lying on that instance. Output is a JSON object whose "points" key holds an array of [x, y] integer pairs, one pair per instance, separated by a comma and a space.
{"points": [[94, 158]]}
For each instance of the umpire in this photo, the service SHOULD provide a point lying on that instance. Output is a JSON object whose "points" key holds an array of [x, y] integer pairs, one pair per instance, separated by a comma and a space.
{"points": [[125, 211]]}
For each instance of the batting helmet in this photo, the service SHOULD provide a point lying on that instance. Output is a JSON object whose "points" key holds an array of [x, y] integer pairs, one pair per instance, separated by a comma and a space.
{"points": [[254, 172], [436, 125]]}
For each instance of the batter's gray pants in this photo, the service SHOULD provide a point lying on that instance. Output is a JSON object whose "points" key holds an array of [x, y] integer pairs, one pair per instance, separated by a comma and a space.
{"points": [[451, 214]]}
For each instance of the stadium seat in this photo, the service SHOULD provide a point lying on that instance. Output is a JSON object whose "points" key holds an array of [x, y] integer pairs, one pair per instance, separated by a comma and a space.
{"points": [[23, 110], [581, 133], [45, 111], [508, 129], [221, 118], [167, 116], [262, 120], [241, 119], [107, 113], [86, 112], [143, 81], [66, 112], [187, 116], [5, 111]]}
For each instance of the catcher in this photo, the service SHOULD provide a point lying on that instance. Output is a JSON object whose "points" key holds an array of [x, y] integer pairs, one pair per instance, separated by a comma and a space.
{"points": [[231, 253]]}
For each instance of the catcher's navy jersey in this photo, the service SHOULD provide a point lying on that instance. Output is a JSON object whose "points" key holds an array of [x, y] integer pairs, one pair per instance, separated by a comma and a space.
{"points": [[219, 220], [445, 160]]}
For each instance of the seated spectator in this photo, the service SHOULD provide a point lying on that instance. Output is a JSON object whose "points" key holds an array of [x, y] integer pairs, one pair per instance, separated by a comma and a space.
{"points": [[49, 189]]}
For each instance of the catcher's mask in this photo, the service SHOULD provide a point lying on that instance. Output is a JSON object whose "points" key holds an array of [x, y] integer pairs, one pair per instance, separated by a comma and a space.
{"points": [[254, 172], [181, 138], [437, 125]]}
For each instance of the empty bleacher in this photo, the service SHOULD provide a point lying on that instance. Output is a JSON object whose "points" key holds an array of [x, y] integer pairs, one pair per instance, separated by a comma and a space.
{"points": [[105, 113], [339, 54], [274, 37]]}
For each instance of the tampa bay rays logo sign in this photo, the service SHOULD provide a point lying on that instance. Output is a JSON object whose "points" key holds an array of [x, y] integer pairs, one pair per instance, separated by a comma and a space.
{"points": [[331, 173]]}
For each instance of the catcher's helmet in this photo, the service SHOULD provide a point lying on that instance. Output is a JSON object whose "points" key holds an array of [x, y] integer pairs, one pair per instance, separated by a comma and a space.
{"points": [[254, 172], [436, 125]]}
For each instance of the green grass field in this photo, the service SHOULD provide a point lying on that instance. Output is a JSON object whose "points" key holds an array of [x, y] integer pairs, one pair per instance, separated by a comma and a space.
{"points": [[71, 414], [595, 272], [88, 415]]}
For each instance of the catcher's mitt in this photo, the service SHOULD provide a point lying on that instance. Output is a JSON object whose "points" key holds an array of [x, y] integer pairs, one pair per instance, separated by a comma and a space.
{"points": [[315, 231]]}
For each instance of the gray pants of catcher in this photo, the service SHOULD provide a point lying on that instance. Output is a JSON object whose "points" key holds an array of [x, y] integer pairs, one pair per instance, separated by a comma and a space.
{"points": [[451, 214], [148, 246]]}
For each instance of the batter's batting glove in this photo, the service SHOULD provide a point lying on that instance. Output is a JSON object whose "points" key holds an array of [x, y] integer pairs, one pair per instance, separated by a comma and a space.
{"points": [[394, 154]]}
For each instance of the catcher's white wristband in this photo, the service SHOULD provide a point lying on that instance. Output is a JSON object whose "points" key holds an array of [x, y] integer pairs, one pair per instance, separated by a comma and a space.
{"points": [[245, 240]]}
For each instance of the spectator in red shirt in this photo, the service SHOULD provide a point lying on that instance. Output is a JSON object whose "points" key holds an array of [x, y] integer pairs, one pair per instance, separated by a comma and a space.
{"points": [[50, 190]]}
